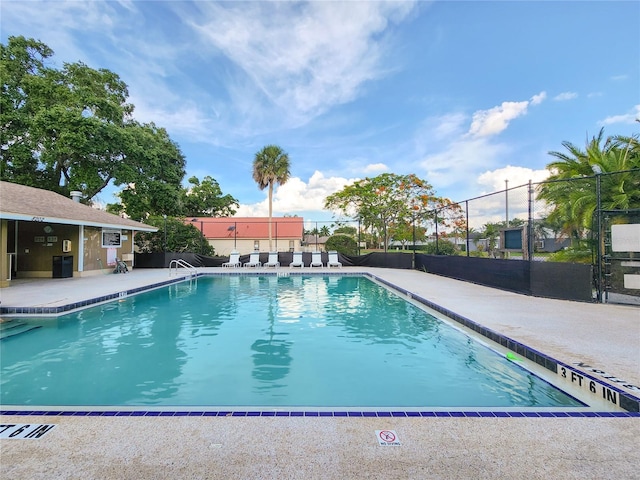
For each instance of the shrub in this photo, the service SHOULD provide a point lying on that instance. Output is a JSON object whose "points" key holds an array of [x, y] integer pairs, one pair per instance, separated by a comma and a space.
{"points": [[342, 244], [445, 247]]}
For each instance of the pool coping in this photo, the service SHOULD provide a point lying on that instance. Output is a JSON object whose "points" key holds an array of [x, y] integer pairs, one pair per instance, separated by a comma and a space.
{"points": [[624, 400], [323, 413]]}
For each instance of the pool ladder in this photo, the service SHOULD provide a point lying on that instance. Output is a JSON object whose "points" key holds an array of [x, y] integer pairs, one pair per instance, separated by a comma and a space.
{"points": [[177, 263]]}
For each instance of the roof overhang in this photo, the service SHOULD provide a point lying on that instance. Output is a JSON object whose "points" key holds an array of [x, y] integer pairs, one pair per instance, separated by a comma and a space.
{"points": [[67, 221]]}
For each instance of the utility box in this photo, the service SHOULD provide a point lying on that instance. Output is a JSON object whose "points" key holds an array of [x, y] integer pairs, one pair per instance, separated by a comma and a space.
{"points": [[63, 266]]}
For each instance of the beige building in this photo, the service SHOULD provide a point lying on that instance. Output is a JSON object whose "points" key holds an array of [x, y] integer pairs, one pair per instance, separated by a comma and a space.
{"points": [[46, 235], [250, 234]]}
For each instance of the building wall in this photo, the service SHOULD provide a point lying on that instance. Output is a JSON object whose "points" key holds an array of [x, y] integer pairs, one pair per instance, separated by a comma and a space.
{"points": [[38, 243], [96, 256], [36, 249], [224, 246]]}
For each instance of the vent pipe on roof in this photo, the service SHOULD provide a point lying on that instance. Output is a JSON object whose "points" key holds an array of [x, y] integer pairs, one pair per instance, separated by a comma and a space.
{"points": [[76, 195]]}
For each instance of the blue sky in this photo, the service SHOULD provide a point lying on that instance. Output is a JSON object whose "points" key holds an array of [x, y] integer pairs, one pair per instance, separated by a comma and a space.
{"points": [[464, 94]]}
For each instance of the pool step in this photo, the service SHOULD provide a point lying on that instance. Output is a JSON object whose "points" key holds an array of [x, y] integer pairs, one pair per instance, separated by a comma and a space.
{"points": [[12, 328]]}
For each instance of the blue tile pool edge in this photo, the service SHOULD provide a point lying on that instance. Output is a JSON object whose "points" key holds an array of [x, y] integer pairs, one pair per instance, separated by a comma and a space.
{"points": [[320, 413]]}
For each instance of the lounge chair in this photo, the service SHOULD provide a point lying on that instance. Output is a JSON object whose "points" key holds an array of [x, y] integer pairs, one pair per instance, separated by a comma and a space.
{"points": [[297, 260], [273, 260], [316, 260], [234, 260], [254, 260], [333, 260]]}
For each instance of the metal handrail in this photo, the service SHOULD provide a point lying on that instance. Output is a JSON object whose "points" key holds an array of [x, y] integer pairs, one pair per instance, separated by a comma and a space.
{"points": [[181, 263]]}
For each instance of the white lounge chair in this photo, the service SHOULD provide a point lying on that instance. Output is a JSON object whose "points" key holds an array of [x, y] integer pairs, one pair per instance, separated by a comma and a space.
{"points": [[273, 260], [254, 260], [234, 260], [316, 260], [333, 260], [297, 260]]}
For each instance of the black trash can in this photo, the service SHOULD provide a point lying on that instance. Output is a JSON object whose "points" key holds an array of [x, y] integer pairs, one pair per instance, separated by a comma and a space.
{"points": [[63, 266]]}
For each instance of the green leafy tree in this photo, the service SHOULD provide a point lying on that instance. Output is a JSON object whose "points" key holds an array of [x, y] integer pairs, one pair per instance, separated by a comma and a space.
{"points": [[270, 167], [347, 230], [25, 81], [385, 200], [151, 173], [72, 129], [180, 237], [491, 232], [404, 233], [571, 189], [206, 199], [342, 243]]}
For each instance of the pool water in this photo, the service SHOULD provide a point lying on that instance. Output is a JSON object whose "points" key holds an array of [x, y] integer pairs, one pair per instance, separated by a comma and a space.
{"points": [[297, 341]]}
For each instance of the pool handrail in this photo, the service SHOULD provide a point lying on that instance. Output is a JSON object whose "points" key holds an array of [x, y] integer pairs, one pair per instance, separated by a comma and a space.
{"points": [[178, 262]]}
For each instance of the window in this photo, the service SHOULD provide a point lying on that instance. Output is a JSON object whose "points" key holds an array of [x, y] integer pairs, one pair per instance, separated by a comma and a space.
{"points": [[256, 245], [292, 245]]}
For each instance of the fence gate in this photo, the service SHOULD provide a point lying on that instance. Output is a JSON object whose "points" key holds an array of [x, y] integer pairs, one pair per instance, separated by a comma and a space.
{"points": [[617, 266]]}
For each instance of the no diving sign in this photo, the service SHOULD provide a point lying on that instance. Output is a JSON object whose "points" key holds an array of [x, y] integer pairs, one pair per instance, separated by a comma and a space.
{"points": [[388, 438]]}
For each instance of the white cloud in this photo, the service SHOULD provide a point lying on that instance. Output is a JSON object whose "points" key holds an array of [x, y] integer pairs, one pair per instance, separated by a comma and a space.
{"points": [[493, 208], [630, 117], [537, 99], [617, 78], [375, 168], [188, 120], [458, 162], [564, 96], [302, 57], [494, 180], [442, 127], [486, 123], [296, 196], [493, 121]]}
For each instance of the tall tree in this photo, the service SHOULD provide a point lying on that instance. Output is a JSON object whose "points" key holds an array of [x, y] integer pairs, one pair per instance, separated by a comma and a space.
{"points": [[173, 235], [271, 166], [72, 129], [386, 200], [571, 189], [206, 199]]}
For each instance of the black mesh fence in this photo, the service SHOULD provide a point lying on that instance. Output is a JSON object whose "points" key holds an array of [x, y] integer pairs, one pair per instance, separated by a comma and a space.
{"points": [[566, 221]]}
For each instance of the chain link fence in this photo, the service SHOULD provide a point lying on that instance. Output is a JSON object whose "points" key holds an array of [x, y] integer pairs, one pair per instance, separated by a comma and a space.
{"points": [[519, 223]]}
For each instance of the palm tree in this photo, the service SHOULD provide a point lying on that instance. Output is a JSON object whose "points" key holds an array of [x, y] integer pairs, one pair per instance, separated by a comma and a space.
{"points": [[574, 200], [271, 166]]}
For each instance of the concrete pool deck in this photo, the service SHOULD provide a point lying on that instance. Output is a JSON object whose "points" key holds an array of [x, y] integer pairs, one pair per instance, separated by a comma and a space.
{"points": [[606, 337]]}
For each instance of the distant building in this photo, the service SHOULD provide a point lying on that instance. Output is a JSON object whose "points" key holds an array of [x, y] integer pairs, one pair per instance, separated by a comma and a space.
{"points": [[250, 234], [314, 243]]}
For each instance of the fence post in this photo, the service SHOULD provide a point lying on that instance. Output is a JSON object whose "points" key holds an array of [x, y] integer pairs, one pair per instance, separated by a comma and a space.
{"points": [[597, 171], [437, 247], [530, 229], [466, 208]]}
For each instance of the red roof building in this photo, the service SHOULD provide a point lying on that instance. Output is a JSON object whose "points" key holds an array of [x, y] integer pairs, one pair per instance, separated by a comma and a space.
{"points": [[249, 234]]}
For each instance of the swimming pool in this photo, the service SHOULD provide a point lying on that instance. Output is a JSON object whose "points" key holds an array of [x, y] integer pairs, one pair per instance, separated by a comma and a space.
{"points": [[250, 340]]}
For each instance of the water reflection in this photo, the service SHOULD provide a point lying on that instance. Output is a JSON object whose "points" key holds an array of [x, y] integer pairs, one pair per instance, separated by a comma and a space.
{"points": [[114, 353], [271, 357]]}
